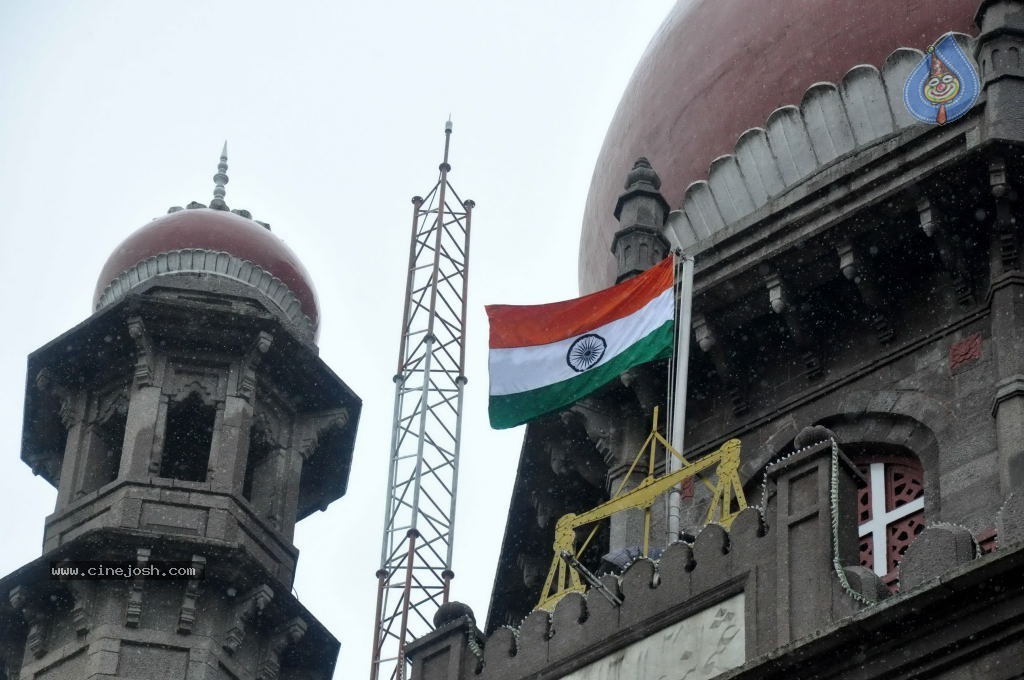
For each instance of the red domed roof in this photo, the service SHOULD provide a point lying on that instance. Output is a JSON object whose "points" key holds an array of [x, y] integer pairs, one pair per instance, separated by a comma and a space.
{"points": [[719, 67], [216, 231]]}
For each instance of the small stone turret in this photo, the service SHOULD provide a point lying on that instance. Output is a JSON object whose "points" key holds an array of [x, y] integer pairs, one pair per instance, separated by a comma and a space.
{"points": [[641, 211]]}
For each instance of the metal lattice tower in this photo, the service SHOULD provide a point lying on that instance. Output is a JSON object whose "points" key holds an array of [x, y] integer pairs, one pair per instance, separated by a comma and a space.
{"points": [[419, 520]]}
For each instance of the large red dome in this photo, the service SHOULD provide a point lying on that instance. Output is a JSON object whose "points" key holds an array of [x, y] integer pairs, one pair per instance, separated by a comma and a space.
{"points": [[718, 67], [215, 231]]}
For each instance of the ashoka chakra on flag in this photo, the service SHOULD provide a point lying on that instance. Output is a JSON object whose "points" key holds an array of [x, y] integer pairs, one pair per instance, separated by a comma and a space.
{"points": [[585, 352]]}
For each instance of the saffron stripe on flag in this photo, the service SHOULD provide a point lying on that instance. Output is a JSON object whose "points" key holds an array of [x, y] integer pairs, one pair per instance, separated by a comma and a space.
{"points": [[521, 369], [510, 410], [525, 325]]}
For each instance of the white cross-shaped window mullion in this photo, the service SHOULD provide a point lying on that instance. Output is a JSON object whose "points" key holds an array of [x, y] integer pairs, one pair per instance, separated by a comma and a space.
{"points": [[881, 519]]}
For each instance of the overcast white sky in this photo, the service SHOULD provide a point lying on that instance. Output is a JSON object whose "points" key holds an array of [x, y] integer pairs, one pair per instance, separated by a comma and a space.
{"points": [[110, 112]]}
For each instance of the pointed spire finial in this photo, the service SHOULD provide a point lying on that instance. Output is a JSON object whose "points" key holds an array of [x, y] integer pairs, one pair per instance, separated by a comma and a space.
{"points": [[219, 180], [642, 173]]}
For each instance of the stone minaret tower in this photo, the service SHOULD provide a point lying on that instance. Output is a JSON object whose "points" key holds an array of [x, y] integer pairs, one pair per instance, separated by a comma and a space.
{"points": [[189, 420]]}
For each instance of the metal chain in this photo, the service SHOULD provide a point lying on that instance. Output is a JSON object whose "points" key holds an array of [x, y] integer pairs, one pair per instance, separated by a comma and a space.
{"points": [[834, 510]]}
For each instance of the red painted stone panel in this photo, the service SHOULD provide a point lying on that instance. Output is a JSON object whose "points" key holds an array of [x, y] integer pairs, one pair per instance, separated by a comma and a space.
{"points": [[965, 352]]}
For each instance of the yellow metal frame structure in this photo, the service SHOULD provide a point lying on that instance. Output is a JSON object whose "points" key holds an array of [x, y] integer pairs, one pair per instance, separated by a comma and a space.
{"points": [[562, 579]]}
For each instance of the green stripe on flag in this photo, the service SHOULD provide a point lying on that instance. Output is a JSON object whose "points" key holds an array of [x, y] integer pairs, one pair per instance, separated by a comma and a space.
{"points": [[509, 410]]}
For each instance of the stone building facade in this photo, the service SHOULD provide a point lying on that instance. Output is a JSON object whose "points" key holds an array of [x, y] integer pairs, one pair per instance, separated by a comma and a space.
{"points": [[858, 324], [188, 421]]}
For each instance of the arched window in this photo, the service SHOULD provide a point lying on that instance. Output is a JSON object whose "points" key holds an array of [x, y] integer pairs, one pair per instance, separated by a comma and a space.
{"points": [[890, 508]]}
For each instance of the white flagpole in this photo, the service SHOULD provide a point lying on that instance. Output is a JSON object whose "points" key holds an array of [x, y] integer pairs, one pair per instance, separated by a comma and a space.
{"points": [[680, 359]]}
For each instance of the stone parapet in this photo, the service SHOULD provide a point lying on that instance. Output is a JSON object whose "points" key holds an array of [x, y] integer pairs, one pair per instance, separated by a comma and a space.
{"points": [[174, 510], [784, 578]]}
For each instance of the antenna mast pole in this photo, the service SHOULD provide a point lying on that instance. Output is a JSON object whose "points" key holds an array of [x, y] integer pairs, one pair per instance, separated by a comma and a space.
{"points": [[419, 517]]}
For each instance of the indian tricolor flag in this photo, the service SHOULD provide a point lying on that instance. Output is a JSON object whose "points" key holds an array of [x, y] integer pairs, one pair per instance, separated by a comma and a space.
{"points": [[545, 357]]}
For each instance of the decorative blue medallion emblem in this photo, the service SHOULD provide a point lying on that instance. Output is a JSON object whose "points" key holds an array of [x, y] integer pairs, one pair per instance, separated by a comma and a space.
{"points": [[944, 85], [585, 352]]}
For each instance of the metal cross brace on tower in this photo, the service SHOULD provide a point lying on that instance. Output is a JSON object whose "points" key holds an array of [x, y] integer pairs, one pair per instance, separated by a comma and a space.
{"points": [[419, 520]]}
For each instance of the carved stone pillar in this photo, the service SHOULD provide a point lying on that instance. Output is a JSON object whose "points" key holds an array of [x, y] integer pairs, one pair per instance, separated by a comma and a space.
{"points": [[73, 408], [228, 458], [1006, 297], [1006, 300], [146, 406]]}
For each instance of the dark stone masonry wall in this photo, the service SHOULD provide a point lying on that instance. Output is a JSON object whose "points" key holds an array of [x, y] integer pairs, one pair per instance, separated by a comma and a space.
{"points": [[797, 615], [856, 271]]}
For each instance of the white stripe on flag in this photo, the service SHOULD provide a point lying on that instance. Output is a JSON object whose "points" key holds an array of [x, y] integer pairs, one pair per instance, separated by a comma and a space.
{"points": [[519, 369]]}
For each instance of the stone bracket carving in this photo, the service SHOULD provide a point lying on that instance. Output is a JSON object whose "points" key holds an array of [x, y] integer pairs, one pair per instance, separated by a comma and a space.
{"points": [[1006, 240], [187, 613], [855, 270], [247, 376], [533, 569], [285, 636], [567, 455], [647, 384], [712, 344], [80, 607], [48, 384], [25, 601], [144, 370], [133, 610], [267, 428], [598, 424], [782, 303], [548, 506], [316, 426], [247, 610], [110, 404], [950, 252]]}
